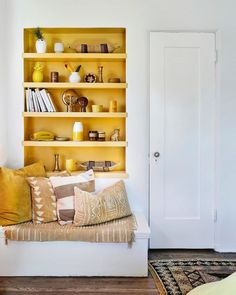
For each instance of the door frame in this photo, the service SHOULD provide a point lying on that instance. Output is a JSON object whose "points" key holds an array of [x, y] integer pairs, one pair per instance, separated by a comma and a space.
{"points": [[217, 97]]}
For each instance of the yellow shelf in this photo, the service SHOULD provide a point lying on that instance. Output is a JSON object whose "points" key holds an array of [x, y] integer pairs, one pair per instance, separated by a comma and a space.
{"points": [[75, 85], [73, 115], [75, 56], [75, 143], [110, 174]]}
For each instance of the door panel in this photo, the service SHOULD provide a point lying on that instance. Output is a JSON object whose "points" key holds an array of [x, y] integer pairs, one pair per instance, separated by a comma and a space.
{"points": [[182, 130]]}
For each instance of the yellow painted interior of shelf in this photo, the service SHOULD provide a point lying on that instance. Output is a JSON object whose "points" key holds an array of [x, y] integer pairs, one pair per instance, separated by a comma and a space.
{"points": [[98, 96], [110, 70], [81, 154], [74, 36], [62, 126]]}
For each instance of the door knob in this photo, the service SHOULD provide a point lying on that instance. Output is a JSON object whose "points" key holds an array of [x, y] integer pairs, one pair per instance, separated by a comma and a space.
{"points": [[156, 155]]}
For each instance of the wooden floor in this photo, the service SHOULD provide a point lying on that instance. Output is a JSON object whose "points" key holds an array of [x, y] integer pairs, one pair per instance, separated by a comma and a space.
{"points": [[82, 285]]}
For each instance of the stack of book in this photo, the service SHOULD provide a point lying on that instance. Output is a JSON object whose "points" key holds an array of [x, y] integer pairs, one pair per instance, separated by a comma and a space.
{"points": [[39, 101]]}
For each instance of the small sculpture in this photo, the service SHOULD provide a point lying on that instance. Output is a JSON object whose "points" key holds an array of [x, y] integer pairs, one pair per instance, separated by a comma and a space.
{"points": [[83, 102], [70, 99], [115, 135], [37, 76]]}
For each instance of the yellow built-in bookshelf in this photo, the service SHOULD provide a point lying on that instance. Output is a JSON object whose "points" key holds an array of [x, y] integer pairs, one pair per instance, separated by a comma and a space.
{"points": [[61, 122]]}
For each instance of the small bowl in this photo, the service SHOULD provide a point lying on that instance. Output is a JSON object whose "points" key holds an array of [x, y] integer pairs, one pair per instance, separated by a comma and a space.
{"points": [[96, 108]]}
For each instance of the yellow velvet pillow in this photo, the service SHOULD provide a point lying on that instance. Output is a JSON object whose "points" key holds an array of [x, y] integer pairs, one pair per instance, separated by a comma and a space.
{"points": [[15, 198]]}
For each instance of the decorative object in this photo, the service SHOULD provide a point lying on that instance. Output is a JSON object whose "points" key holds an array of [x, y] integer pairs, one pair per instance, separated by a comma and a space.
{"points": [[78, 131], [96, 108], [58, 47], [43, 200], [104, 48], [109, 204], [114, 80], [64, 191], [181, 276], [43, 136], [37, 76], [15, 205], [83, 102], [70, 165], [62, 138], [101, 136], [54, 77], [100, 73], [93, 135], [74, 75], [70, 99], [100, 166], [115, 135], [84, 48], [90, 78], [95, 48], [40, 45], [56, 163], [113, 106]]}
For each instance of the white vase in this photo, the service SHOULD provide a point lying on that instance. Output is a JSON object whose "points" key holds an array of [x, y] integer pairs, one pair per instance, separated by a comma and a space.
{"points": [[74, 77], [41, 46]]}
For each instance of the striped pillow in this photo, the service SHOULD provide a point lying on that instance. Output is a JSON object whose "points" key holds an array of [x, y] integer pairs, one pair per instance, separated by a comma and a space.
{"points": [[64, 192]]}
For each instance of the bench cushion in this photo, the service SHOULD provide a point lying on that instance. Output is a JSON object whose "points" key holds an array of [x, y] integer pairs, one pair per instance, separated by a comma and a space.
{"points": [[117, 231]]}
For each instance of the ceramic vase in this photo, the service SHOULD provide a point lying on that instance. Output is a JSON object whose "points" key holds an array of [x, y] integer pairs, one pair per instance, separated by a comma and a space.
{"points": [[41, 46], [74, 77], [78, 131]]}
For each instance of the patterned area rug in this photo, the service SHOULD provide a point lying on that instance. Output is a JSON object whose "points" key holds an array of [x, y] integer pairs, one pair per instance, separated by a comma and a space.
{"points": [[178, 277]]}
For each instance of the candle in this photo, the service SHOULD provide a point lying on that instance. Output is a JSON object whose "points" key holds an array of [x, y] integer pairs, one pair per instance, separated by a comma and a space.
{"points": [[70, 165]]}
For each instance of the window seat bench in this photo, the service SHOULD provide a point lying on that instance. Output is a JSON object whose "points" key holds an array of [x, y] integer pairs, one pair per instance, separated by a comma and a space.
{"points": [[77, 258]]}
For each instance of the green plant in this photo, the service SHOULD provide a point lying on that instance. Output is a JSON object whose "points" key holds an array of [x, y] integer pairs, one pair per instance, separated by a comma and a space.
{"points": [[38, 34]]}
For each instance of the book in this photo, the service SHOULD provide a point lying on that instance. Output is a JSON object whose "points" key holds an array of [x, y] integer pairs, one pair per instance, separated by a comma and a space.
{"points": [[31, 104], [27, 102], [46, 100], [36, 103], [41, 101], [51, 102]]}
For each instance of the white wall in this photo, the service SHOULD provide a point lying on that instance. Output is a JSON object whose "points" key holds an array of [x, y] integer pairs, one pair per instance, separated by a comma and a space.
{"points": [[3, 98], [139, 17]]}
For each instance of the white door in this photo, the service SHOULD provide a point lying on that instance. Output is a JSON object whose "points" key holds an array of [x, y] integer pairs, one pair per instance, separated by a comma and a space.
{"points": [[182, 89]]}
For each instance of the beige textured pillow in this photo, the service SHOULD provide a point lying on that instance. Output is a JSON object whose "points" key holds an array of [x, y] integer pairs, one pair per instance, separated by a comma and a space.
{"points": [[64, 192], [109, 204], [43, 200]]}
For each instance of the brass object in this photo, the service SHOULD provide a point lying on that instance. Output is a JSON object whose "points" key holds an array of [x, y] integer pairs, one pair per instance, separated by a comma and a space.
{"points": [[70, 99], [100, 72], [56, 163], [114, 80], [83, 102]]}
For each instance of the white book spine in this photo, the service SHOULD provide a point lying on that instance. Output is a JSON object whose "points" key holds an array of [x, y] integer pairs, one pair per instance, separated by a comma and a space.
{"points": [[27, 100], [34, 100], [41, 101], [46, 100], [51, 102], [31, 101]]}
